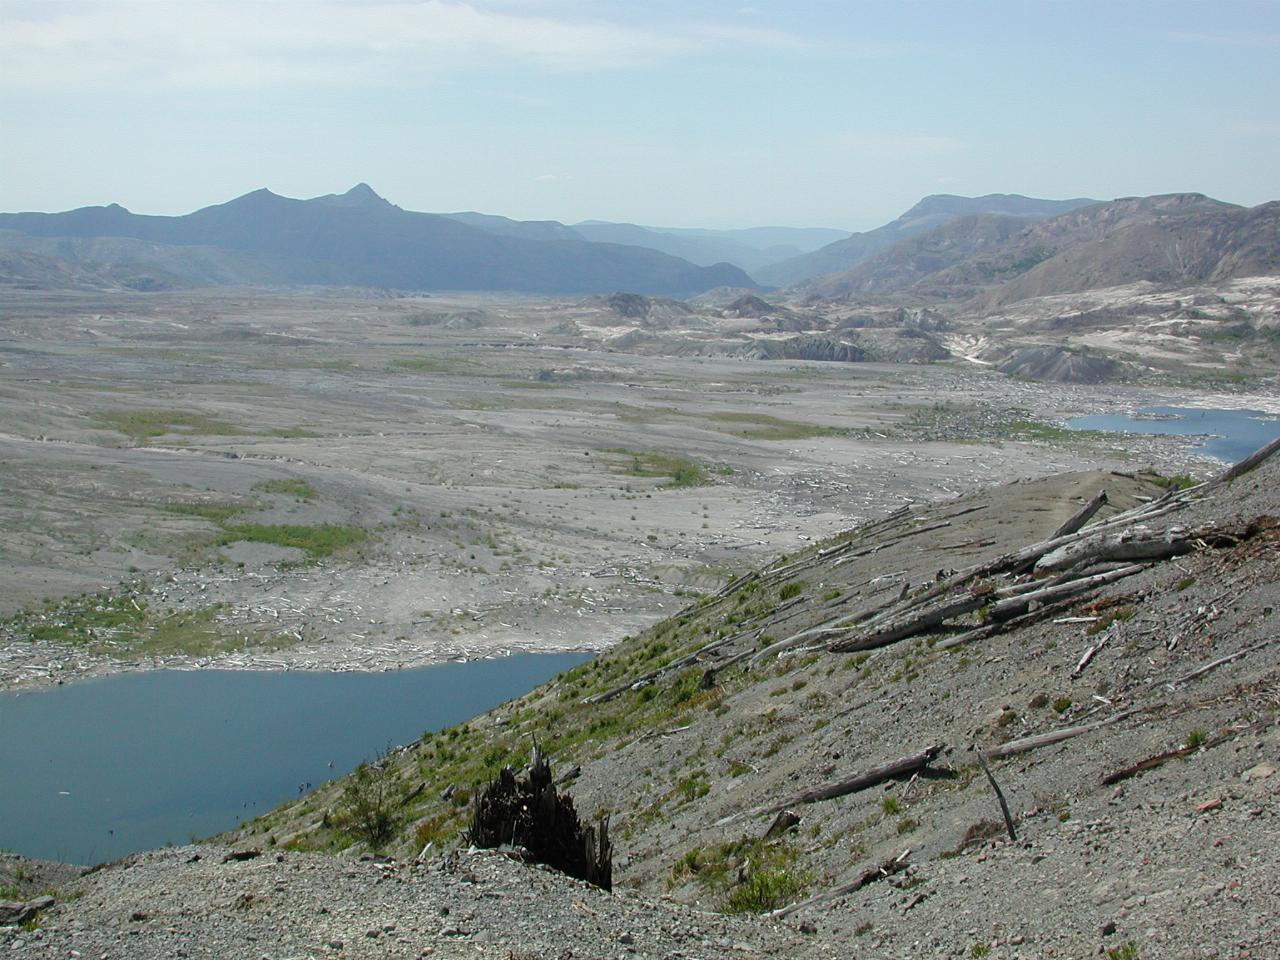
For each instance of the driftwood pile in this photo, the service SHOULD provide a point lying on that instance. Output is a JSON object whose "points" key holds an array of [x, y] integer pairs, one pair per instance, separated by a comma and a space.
{"points": [[526, 812]]}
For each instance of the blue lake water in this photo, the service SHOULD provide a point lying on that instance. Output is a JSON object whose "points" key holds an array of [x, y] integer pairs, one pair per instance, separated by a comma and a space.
{"points": [[1233, 434], [94, 770]]}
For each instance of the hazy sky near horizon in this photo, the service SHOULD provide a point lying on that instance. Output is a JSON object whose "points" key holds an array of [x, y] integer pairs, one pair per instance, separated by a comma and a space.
{"points": [[697, 113]]}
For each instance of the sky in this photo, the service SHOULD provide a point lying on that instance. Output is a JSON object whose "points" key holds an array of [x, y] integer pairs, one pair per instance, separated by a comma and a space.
{"points": [[837, 113]]}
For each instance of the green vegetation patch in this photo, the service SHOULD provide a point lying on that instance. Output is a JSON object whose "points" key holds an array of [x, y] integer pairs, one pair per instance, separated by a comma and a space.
{"points": [[434, 365], [682, 471], [125, 626], [760, 426], [317, 541], [290, 488], [148, 424], [768, 868]]}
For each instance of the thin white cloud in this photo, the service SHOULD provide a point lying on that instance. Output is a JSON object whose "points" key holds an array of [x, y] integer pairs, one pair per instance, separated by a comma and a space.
{"points": [[247, 43]]}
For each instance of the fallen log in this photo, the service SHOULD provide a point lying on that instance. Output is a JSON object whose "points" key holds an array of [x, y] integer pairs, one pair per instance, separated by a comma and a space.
{"points": [[1134, 543], [1247, 464], [839, 788], [1213, 665], [1013, 606], [893, 631], [1149, 763], [1053, 736], [1081, 516], [676, 664], [886, 869], [1000, 626]]}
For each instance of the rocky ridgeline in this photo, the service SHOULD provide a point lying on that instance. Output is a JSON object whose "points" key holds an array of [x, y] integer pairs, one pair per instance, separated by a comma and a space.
{"points": [[1036, 721]]}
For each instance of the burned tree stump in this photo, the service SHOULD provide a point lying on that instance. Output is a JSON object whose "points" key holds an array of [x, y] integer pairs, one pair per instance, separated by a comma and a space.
{"points": [[526, 811]]}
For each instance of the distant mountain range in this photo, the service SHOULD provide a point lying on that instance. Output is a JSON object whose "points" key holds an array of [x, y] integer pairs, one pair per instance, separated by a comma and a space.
{"points": [[932, 211], [355, 238], [991, 250], [1171, 240]]}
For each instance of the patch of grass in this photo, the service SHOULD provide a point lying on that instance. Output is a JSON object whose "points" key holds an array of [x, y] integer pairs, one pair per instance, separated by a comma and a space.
{"points": [[1024, 429], [791, 590], [1126, 951], [149, 424], [681, 471], [760, 426], [320, 540], [125, 626], [213, 512], [1179, 481], [289, 487], [1062, 705], [1196, 739], [432, 365], [292, 433]]}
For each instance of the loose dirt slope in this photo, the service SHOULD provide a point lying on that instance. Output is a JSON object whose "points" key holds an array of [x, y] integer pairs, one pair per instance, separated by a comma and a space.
{"points": [[1147, 833]]}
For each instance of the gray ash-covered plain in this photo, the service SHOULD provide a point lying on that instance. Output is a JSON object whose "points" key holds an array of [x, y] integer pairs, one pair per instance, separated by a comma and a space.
{"points": [[257, 479]]}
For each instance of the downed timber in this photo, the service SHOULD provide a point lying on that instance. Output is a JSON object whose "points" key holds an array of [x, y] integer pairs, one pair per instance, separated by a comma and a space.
{"points": [[1013, 606], [1053, 736], [1003, 604], [652, 675], [1214, 664], [1035, 551], [886, 869], [1134, 543], [1081, 516], [1124, 773], [894, 630], [1247, 464], [839, 788], [837, 625], [1000, 626]]}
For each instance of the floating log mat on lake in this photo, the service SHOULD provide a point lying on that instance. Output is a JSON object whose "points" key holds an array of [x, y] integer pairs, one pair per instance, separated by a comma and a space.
{"points": [[525, 811]]}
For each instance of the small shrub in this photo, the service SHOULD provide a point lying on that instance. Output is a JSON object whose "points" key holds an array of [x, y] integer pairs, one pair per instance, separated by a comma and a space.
{"points": [[766, 890], [369, 800], [1196, 739], [791, 590], [1062, 705], [1126, 951], [890, 806]]}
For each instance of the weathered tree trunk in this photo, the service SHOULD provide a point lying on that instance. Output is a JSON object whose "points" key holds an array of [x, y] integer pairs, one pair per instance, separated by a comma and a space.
{"points": [[527, 812], [1135, 543]]}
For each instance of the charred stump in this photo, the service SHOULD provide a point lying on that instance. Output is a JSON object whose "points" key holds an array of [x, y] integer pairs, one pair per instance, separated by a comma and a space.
{"points": [[525, 811]]}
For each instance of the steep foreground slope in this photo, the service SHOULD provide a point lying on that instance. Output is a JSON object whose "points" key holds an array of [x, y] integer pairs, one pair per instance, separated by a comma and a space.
{"points": [[1125, 688]]}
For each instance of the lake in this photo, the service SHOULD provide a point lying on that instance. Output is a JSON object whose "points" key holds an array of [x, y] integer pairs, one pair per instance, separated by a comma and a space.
{"points": [[94, 770], [1231, 434]]}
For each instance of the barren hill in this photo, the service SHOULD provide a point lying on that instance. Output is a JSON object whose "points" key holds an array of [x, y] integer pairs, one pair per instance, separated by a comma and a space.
{"points": [[359, 238], [1171, 241], [931, 212], [799, 745]]}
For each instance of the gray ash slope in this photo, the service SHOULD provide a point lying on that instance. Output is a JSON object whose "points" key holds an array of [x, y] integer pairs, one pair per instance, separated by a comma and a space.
{"points": [[1174, 859]]}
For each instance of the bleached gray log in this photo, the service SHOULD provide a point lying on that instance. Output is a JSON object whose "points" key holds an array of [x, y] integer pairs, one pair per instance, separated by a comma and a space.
{"points": [[1014, 606], [1135, 543], [1052, 737], [1248, 463], [1081, 516]]}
